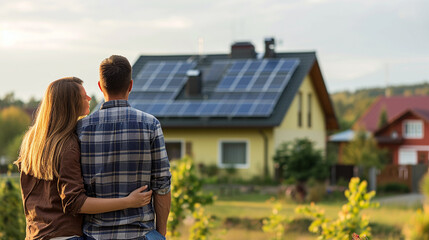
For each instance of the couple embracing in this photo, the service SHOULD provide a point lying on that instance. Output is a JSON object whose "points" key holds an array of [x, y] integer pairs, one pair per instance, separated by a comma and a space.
{"points": [[105, 176]]}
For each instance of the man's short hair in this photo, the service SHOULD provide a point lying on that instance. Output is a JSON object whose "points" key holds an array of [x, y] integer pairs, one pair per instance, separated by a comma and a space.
{"points": [[115, 74]]}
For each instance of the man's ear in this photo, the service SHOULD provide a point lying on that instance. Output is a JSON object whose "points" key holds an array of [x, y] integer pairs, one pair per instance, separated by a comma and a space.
{"points": [[99, 86], [130, 87]]}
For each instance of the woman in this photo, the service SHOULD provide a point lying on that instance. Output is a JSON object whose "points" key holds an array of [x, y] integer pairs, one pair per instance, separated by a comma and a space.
{"points": [[49, 161]]}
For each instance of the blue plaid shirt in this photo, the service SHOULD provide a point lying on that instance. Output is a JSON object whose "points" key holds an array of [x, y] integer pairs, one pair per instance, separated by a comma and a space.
{"points": [[122, 149]]}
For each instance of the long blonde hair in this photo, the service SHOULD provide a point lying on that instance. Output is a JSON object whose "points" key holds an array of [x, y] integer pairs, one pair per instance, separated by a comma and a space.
{"points": [[54, 126]]}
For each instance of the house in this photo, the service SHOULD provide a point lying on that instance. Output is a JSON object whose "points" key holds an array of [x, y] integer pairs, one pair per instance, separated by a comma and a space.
{"points": [[234, 110], [406, 137], [393, 106]]}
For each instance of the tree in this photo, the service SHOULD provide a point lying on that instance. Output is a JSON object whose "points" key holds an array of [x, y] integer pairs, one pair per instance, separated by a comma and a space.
{"points": [[383, 120], [94, 102], [12, 149], [13, 122], [9, 100], [299, 161], [363, 151]]}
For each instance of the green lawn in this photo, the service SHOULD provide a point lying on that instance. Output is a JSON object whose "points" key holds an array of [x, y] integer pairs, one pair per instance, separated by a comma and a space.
{"points": [[239, 217]]}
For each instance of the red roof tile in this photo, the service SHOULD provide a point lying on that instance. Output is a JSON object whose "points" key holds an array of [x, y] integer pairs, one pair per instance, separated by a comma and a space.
{"points": [[394, 107]]}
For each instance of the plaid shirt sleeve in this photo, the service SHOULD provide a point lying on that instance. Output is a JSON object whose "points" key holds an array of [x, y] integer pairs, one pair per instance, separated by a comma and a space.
{"points": [[161, 176]]}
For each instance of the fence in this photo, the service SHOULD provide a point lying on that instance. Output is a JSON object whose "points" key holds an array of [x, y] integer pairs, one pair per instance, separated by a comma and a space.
{"points": [[409, 175]]}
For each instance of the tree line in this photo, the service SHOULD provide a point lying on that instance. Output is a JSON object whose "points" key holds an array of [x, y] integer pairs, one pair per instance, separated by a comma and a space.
{"points": [[349, 106], [15, 118]]}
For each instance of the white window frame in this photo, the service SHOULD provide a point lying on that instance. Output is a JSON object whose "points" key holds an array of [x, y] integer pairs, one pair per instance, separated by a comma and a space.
{"points": [[413, 136], [220, 151], [407, 161], [182, 145]]}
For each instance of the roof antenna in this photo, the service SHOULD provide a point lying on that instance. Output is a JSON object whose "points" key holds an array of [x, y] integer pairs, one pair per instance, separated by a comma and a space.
{"points": [[200, 46]]}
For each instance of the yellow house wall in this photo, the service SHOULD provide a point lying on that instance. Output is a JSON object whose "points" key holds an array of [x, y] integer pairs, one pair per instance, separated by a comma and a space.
{"points": [[289, 129], [206, 146]]}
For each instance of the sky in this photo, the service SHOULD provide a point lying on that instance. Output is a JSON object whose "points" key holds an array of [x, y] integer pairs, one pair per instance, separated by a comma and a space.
{"points": [[359, 44]]}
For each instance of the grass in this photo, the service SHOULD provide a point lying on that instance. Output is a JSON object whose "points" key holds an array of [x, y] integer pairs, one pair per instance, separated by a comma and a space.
{"points": [[240, 216]]}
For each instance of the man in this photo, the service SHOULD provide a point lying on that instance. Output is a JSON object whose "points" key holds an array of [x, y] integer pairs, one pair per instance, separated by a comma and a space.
{"points": [[122, 149]]}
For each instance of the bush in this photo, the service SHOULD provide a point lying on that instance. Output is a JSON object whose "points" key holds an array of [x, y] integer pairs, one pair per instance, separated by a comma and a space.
{"points": [[393, 188], [186, 194], [210, 170], [12, 219], [418, 229], [350, 220], [276, 223], [316, 190], [300, 160]]}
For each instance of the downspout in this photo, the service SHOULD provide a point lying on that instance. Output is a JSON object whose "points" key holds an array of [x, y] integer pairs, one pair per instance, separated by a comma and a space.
{"points": [[265, 139]]}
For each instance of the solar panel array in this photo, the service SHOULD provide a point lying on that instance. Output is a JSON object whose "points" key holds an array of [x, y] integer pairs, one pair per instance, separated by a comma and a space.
{"points": [[248, 88]]}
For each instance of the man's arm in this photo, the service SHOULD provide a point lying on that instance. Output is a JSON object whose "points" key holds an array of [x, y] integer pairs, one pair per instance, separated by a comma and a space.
{"points": [[162, 209]]}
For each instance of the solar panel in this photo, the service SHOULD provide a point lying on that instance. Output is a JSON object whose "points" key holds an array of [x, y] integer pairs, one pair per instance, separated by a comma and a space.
{"points": [[226, 83], [243, 109], [263, 109], [156, 108], [173, 109], [246, 88], [208, 108], [237, 66], [226, 108], [191, 109], [243, 82]]}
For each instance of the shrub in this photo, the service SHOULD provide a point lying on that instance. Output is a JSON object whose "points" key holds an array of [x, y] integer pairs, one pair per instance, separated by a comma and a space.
{"points": [[202, 228], [350, 220], [393, 188], [186, 193], [12, 219], [418, 229], [276, 223], [300, 160], [316, 190]]}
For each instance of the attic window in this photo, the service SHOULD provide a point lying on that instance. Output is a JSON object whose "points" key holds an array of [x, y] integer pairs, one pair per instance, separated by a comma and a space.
{"points": [[413, 129]]}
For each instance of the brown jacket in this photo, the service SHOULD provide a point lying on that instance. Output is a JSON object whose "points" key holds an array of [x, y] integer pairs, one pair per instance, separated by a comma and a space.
{"points": [[52, 207]]}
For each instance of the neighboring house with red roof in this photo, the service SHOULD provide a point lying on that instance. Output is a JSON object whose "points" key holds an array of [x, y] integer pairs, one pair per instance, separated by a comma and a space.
{"points": [[406, 137], [394, 106]]}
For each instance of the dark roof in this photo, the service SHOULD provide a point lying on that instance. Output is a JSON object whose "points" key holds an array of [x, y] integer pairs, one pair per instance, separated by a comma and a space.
{"points": [[394, 106], [306, 64], [420, 113]]}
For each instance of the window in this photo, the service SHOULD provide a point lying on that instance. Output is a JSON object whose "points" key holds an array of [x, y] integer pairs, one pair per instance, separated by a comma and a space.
{"points": [[413, 129], [174, 149], [234, 153], [309, 111], [407, 156], [300, 109]]}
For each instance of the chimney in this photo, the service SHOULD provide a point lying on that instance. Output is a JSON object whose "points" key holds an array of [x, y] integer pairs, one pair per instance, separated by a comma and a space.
{"points": [[243, 50], [269, 48], [194, 83]]}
